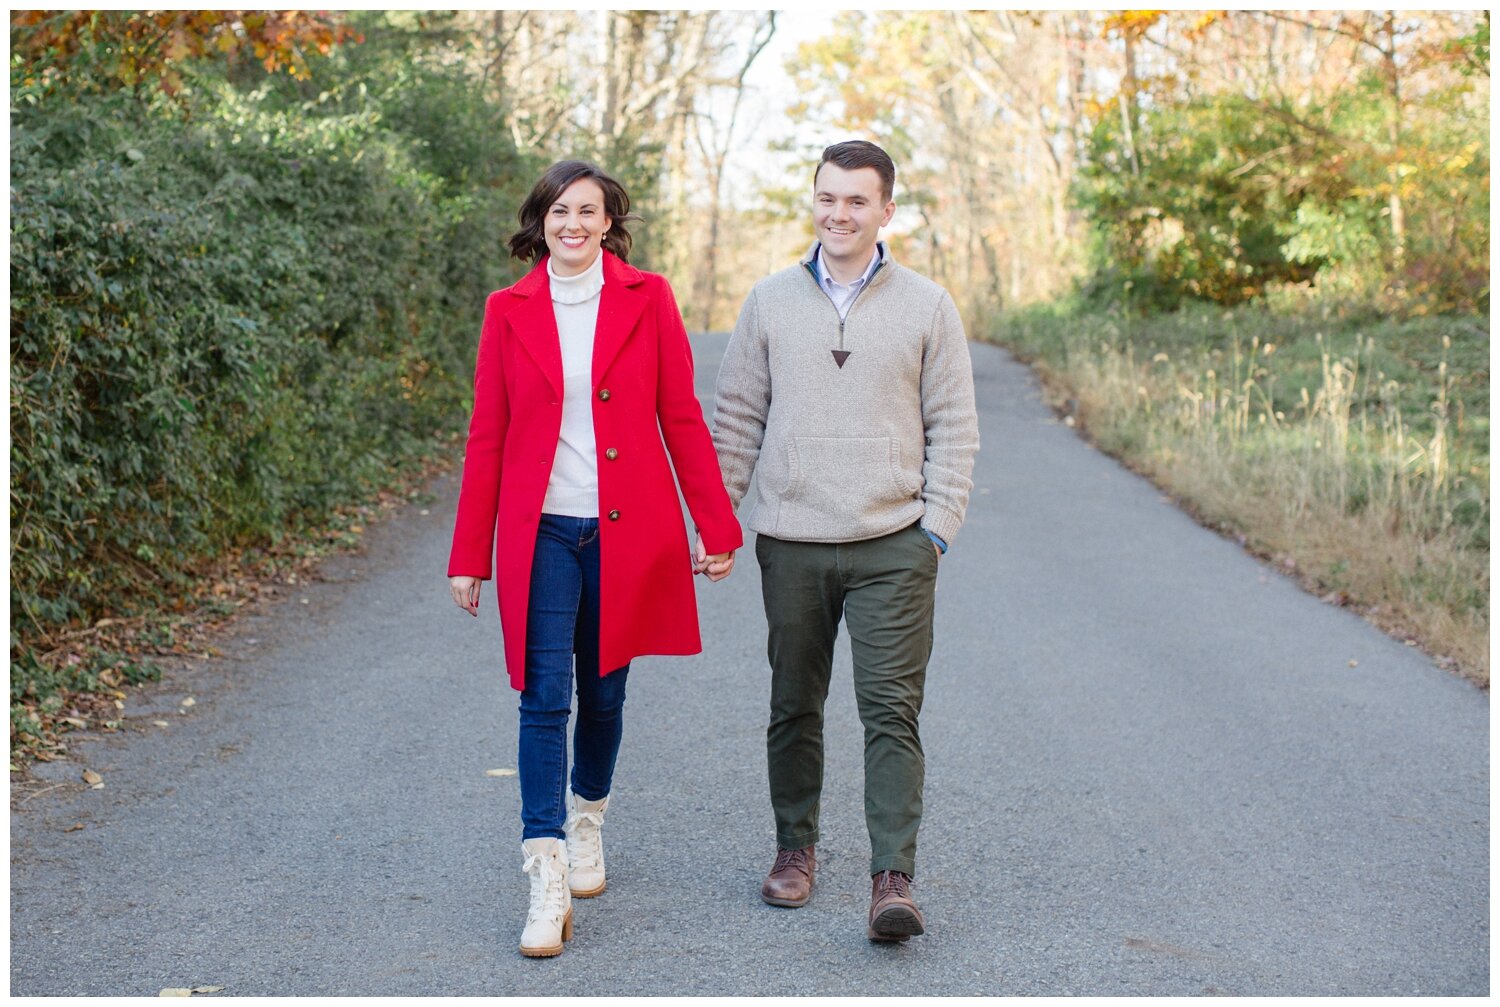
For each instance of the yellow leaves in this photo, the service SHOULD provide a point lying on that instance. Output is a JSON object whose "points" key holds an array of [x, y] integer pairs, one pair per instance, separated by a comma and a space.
{"points": [[1095, 110], [1206, 19], [1457, 163], [185, 991], [499, 772], [93, 779], [1133, 23]]}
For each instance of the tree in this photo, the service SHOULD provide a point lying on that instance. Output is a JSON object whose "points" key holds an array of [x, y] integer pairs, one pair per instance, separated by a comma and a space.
{"points": [[101, 50]]}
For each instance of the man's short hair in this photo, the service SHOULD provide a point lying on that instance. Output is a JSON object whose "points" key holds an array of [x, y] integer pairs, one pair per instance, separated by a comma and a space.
{"points": [[852, 154]]}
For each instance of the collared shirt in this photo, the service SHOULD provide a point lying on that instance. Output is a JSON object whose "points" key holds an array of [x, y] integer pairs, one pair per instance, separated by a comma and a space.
{"points": [[842, 294]]}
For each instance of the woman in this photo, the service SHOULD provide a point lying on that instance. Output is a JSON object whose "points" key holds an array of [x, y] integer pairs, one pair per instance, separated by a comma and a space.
{"points": [[584, 368]]}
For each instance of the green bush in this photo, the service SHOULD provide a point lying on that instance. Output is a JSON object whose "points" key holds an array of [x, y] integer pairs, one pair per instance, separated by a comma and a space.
{"points": [[1227, 197], [226, 324]]}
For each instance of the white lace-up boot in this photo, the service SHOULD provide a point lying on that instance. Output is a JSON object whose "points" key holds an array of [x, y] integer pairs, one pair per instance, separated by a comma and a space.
{"points": [[549, 920], [585, 845]]}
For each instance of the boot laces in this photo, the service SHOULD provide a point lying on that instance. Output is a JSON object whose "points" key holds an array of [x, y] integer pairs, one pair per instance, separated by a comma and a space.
{"points": [[549, 886], [894, 882], [790, 858], [585, 840]]}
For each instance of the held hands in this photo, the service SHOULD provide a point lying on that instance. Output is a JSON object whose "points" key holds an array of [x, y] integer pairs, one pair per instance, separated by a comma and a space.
{"points": [[715, 567], [466, 593]]}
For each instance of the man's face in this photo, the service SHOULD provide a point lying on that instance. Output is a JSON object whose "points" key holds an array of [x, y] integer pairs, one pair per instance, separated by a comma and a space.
{"points": [[848, 212]]}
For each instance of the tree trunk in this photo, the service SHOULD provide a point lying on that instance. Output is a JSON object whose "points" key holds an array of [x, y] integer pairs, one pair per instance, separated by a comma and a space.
{"points": [[1127, 104], [1393, 135], [707, 288], [606, 92]]}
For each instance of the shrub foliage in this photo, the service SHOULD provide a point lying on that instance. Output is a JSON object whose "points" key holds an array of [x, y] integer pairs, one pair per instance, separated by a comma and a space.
{"points": [[233, 311]]}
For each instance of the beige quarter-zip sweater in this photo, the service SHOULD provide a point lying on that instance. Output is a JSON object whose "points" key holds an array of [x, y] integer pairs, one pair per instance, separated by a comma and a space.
{"points": [[854, 428]]}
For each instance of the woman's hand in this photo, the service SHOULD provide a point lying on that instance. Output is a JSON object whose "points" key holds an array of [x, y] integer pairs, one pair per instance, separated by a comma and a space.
{"points": [[715, 567], [465, 593]]}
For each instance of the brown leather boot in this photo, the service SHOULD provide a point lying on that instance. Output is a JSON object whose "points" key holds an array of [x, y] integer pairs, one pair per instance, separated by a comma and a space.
{"points": [[790, 882], [893, 914]]}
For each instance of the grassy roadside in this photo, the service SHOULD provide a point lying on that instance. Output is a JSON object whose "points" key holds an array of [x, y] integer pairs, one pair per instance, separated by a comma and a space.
{"points": [[79, 677], [1353, 452]]}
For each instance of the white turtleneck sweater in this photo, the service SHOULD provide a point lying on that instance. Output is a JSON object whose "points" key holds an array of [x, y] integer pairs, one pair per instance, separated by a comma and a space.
{"points": [[573, 489]]}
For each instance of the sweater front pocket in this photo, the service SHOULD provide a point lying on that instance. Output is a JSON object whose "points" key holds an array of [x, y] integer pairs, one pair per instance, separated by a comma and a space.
{"points": [[842, 489]]}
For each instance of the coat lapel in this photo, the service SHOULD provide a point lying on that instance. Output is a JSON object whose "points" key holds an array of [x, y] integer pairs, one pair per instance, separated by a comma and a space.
{"points": [[620, 306], [535, 325]]}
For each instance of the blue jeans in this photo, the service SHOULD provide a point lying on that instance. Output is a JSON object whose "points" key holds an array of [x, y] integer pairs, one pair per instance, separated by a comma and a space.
{"points": [[562, 620]]}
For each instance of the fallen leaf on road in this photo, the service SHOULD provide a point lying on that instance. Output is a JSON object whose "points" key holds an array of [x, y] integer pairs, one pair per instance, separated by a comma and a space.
{"points": [[119, 704], [89, 776], [176, 991], [75, 721], [74, 827], [161, 723], [190, 701], [499, 772], [1354, 664], [207, 989]]}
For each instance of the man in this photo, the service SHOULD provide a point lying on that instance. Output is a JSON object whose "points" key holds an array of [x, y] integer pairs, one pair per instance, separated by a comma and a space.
{"points": [[847, 388]]}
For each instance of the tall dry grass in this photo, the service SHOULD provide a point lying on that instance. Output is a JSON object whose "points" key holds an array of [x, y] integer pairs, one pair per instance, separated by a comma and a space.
{"points": [[1319, 464]]}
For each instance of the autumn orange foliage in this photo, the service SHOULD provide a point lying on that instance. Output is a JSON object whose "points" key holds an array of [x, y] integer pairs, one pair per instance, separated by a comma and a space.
{"points": [[132, 48]]}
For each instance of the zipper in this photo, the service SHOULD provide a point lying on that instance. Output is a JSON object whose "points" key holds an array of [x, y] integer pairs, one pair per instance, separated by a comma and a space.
{"points": [[812, 270]]}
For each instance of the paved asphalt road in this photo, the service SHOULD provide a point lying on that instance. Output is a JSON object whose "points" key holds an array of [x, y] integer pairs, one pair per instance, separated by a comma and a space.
{"points": [[1154, 767]]}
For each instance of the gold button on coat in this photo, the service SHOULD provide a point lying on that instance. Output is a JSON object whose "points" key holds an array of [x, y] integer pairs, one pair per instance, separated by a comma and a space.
{"points": [[614, 515], [604, 395], [611, 454]]}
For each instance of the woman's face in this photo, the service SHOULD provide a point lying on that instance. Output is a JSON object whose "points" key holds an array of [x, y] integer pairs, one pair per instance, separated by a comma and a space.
{"points": [[575, 226]]}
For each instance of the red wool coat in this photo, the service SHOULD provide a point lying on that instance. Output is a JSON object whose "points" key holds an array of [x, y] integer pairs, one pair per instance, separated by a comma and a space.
{"points": [[642, 393]]}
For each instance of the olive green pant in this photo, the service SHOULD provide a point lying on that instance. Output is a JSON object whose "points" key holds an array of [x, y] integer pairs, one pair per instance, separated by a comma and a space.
{"points": [[883, 589]]}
